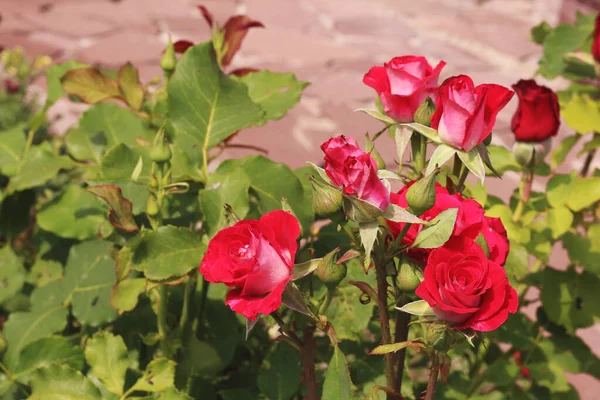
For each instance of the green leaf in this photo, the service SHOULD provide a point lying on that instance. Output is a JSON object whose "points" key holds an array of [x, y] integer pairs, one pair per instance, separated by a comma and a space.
{"points": [[562, 150], [564, 39], [47, 351], [158, 376], [502, 159], [44, 272], [394, 347], [124, 296], [398, 214], [121, 214], [53, 76], [368, 234], [130, 85], [584, 250], [206, 106], [173, 394], [426, 131], [12, 274], [280, 373], [23, 328], [571, 299], [76, 214], [61, 382], [558, 190], [167, 253], [584, 193], [89, 276], [90, 85], [581, 113], [438, 231], [119, 125], [107, 356], [517, 263], [337, 383], [592, 145], [402, 137], [540, 32], [37, 167], [418, 307], [303, 269], [12, 145], [441, 154], [275, 92], [559, 221], [85, 146], [378, 116], [473, 161]]}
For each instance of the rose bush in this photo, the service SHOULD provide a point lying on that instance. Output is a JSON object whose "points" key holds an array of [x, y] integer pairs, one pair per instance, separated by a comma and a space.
{"points": [[136, 262]]}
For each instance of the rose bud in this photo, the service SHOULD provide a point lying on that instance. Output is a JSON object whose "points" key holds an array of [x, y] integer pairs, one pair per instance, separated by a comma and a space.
{"points": [[327, 201], [438, 336], [168, 60], [355, 173], [420, 196], [403, 84], [160, 152], [596, 42], [466, 289], [537, 117], [329, 272], [465, 115], [410, 273], [530, 155], [255, 258], [424, 112]]}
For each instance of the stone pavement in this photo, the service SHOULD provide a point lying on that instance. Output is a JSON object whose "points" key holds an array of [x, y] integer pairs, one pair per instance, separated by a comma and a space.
{"points": [[331, 43]]}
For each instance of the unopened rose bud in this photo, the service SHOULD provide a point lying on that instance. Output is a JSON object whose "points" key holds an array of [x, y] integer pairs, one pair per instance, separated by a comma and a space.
{"points": [[327, 201], [438, 336], [370, 148], [330, 273], [421, 195], [410, 274], [424, 112], [160, 151], [168, 60], [152, 207], [530, 154], [360, 211]]}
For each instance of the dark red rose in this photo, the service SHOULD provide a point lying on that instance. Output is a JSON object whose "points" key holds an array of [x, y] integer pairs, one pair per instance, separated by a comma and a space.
{"points": [[537, 117], [354, 171], [466, 289], [403, 84], [255, 258], [465, 114], [596, 42]]}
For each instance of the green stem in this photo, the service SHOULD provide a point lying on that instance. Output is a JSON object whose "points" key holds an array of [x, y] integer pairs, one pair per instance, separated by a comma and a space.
{"points": [[418, 144], [460, 186], [284, 329], [163, 327], [202, 304], [524, 194], [587, 163], [326, 301], [384, 323], [188, 296], [456, 168]]}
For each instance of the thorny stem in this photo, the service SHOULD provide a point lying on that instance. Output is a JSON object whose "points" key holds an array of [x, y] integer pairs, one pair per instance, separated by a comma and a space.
{"points": [[433, 376], [524, 194], [400, 335], [284, 329], [384, 323], [587, 163], [163, 328], [308, 363]]}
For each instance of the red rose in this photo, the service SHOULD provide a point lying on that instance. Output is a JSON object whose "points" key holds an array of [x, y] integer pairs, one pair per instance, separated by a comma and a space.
{"points": [[255, 258], [495, 235], [596, 42], [469, 220], [466, 289], [537, 118], [465, 114], [354, 171], [403, 84]]}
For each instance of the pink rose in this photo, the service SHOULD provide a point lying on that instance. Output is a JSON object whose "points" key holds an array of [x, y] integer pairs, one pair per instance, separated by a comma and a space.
{"points": [[465, 114], [255, 258], [466, 289], [403, 84], [354, 171]]}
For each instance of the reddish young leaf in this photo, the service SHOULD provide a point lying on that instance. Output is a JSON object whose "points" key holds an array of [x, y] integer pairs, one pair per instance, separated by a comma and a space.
{"points": [[181, 46], [243, 71], [236, 29], [120, 215], [207, 15]]}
